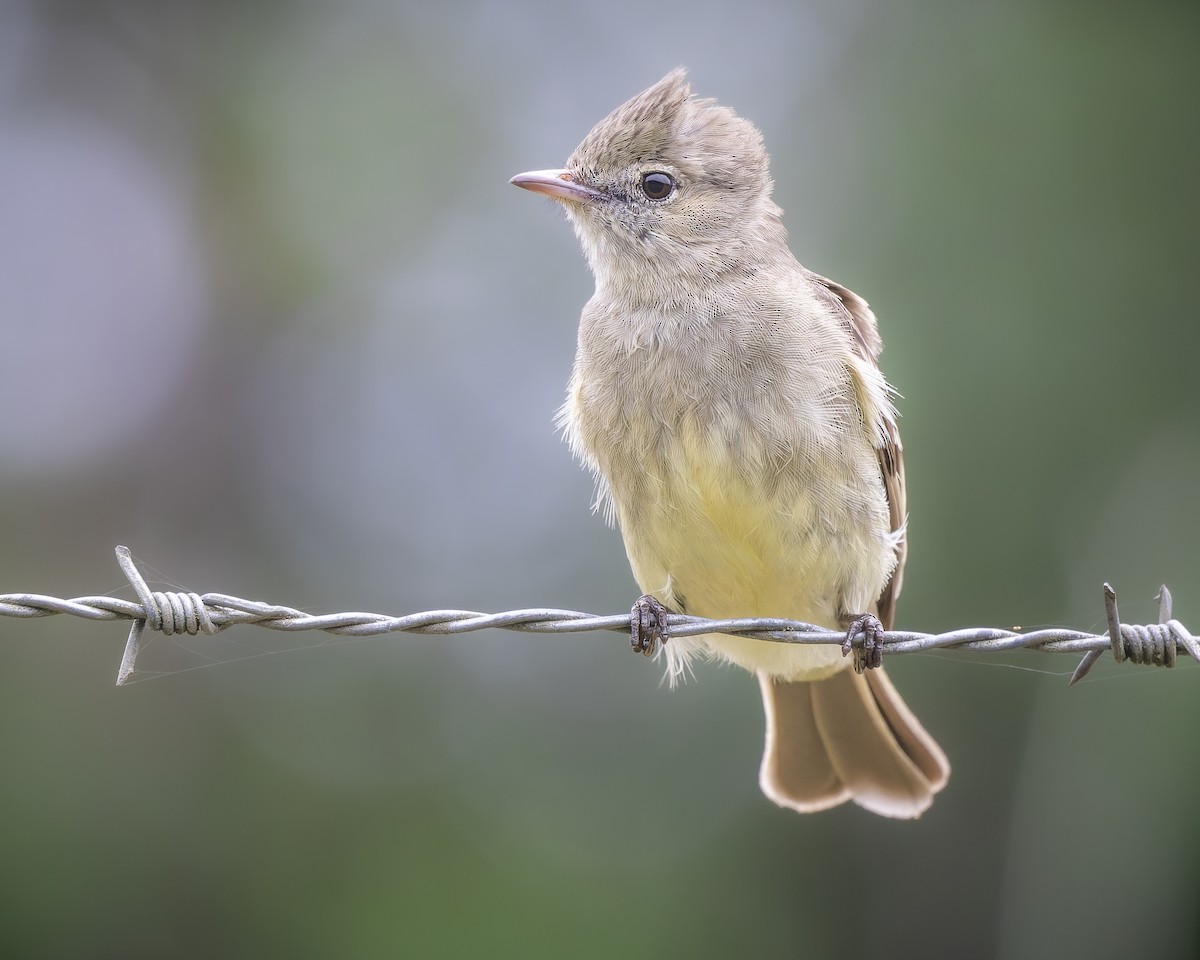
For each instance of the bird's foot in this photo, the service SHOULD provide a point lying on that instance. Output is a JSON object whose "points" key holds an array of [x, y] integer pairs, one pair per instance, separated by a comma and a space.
{"points": [[868, 654], [647, 625]]}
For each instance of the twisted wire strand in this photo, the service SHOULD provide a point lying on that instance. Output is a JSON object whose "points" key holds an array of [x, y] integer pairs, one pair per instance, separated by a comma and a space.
{"points": [[190, 613]]}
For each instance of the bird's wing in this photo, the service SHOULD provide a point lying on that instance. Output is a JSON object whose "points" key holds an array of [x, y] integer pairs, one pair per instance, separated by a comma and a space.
{"points": [[868, 345]]}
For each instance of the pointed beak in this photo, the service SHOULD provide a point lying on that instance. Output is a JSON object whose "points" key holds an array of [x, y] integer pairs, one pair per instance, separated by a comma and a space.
{"points": [[559, 184]]}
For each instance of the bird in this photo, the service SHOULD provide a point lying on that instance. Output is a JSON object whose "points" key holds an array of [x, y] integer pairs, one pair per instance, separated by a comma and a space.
{"points": [[730, 403]]}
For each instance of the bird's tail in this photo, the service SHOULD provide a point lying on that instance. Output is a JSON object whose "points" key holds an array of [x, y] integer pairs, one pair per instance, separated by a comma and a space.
{"points": [[849, 737]]}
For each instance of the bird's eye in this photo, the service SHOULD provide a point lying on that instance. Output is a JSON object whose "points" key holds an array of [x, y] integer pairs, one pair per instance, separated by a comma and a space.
{"points": [[658, 186]]}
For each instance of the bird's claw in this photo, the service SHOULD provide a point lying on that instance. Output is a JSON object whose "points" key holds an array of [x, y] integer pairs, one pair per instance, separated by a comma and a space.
{"points": [[869, 654], [647, 625]]}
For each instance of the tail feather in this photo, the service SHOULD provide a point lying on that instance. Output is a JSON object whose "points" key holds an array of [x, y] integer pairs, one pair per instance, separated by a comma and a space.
{"points": [[847, 738], [800, 770], [921, 748]]}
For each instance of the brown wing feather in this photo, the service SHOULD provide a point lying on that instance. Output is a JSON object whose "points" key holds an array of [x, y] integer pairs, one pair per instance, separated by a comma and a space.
{"points": [[867, 342], [891, 465]]}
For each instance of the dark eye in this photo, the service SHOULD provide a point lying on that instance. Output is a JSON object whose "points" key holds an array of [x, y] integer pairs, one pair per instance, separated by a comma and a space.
{"points": [[658, 186]]}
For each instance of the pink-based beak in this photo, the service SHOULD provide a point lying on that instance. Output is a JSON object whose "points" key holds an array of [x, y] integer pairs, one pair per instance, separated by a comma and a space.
{"points": [[559, 184]]}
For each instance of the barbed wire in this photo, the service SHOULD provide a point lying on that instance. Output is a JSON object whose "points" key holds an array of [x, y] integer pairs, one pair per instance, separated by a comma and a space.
{"points": [[173, 612]]}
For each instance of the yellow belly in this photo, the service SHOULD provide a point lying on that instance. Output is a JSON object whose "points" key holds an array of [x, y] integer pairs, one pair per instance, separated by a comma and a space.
{"points": [[718, 544]]}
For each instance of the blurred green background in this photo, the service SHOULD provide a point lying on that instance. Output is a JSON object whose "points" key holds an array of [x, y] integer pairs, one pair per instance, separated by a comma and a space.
{"points": [[271, 314]]}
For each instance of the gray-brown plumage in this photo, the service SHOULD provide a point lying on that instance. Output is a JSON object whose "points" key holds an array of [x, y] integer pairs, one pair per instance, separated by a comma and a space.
{"points": [[731, 404]]}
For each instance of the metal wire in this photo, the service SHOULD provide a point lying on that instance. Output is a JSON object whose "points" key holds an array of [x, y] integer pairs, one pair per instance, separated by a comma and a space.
{"points": [[171, 612]]}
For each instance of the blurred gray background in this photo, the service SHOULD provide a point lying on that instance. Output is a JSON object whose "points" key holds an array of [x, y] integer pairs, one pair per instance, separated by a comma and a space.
{"points": [[271, 314]]}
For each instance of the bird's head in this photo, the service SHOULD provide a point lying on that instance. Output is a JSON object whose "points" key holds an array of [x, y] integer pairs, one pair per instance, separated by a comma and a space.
{"points": [[666, 185]]}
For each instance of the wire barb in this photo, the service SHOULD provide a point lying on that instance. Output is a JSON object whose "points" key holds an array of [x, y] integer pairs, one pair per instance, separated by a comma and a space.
{"points": [[1155, 644], [168, 612], [181, 612]]}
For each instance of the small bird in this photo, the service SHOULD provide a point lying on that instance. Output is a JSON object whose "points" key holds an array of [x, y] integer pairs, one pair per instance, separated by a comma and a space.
{"points": [[731, 406]]}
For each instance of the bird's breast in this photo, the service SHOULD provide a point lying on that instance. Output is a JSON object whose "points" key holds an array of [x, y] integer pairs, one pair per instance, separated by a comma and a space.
{"points": [[743, 486]]}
